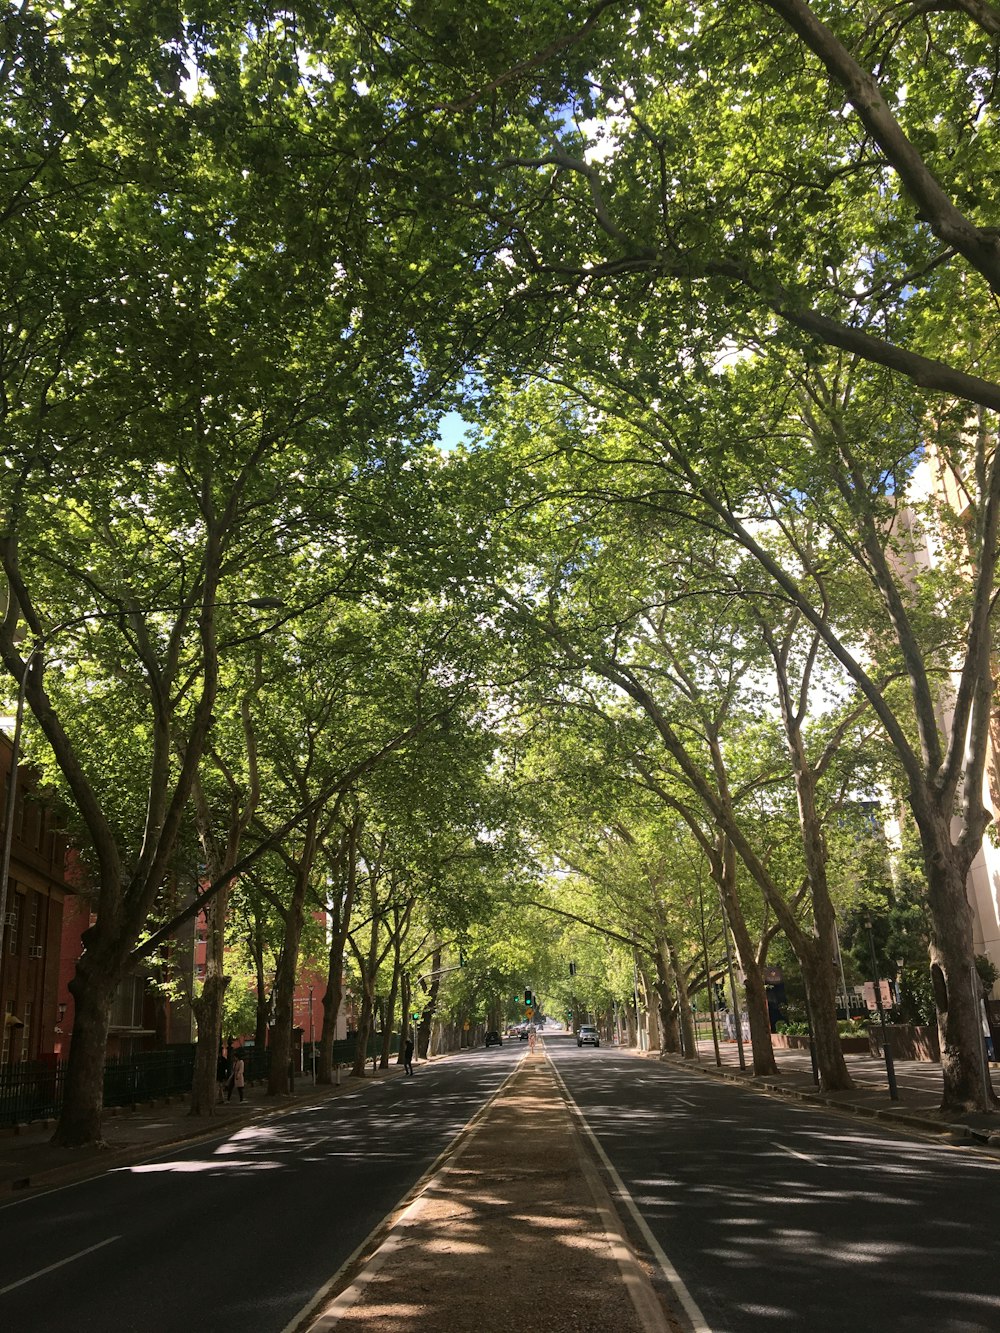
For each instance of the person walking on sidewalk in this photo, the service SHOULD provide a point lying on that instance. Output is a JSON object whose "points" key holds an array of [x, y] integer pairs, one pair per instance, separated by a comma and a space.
{"points": [[221, 1074], [236, 1078], [408, 1057]]}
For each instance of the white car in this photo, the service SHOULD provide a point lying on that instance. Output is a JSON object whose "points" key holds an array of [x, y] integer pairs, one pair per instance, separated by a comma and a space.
{"points": [[588, 1036]]}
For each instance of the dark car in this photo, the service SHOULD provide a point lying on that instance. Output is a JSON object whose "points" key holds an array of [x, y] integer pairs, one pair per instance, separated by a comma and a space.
{"points": [[523, 1034], [494, 1039]]}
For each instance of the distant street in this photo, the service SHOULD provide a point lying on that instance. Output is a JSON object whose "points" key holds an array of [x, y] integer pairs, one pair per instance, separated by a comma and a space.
{"points": [[778, 1216], [238, 1232]]}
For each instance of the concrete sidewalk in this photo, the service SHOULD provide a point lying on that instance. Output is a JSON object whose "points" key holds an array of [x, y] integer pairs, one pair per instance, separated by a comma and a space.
{"points": [[918, 1085]]}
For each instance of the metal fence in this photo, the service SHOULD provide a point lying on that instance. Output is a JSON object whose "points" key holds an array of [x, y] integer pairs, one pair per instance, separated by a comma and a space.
{"points": [[35, 1091]]}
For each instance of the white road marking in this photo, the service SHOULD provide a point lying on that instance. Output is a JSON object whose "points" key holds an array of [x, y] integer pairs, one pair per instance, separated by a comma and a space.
{"points": [[699, 1324], [802, 1156], [464, 1135], [62, 1262]]}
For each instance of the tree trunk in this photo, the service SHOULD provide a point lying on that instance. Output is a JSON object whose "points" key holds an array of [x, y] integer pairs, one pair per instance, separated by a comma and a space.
{"points": [[424, 1030], [821, 994], [685, 1015], [332, 1000], [358, 1069], [670, 1041], [648, 1011], [278, 1073], [260, 978], [389, 1016], [341, 925], [92, 988], [762, 1051], [207, 1009], [279, 1069], [952, 960]]}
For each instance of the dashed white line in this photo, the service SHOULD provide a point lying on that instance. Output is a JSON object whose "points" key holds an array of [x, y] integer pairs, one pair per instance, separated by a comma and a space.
{"points": [[802, 1156], [62, 1262]]}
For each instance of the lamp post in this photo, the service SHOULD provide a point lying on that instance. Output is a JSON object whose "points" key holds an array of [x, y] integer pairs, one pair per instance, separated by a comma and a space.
{"points": [[737, 1016], [889, 1068], [312, 1040]]}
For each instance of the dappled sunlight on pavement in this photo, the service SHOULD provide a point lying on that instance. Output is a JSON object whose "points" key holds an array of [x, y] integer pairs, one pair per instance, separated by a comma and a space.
{"points": [[509, 1234]]}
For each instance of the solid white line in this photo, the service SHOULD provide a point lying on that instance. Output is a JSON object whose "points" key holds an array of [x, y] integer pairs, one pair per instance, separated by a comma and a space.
{"points": [[52, 1267], [454, 1150], [699, 1324], [645, 1302]]}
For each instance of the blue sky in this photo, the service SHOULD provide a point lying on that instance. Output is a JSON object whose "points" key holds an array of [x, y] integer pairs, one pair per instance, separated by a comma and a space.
{"points": [[451, 428]]}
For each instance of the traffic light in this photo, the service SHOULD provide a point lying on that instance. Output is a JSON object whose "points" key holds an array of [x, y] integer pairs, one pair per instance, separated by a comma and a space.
{"points": [[527, 996]]}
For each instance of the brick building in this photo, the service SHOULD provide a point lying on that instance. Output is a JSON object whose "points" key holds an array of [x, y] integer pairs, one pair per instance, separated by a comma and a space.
{"points": [[36, 892]]}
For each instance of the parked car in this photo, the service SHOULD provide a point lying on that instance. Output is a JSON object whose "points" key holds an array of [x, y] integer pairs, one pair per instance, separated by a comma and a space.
{"points": [[588, 1036], [494, 1039]]}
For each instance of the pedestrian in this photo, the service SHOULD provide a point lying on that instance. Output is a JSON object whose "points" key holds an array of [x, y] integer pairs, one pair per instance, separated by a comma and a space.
{"points": [[236, 1079], [221, 1074], [408, 1057]]}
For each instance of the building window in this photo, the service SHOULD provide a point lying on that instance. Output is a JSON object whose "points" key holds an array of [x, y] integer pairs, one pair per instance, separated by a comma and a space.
{"points": [[26, 1033], [33, 918], [15, 902]]}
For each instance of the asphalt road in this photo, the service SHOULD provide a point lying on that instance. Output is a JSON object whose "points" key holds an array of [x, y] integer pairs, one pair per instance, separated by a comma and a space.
{"points": [[782, 1217], [238, 1232]]}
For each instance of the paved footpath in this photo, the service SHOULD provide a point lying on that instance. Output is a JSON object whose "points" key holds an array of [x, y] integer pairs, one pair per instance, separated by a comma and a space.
{"points": [[918, 1086]]}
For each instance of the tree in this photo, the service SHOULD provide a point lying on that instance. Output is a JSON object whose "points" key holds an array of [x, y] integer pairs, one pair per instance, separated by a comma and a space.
{"points": [[211, 254]]}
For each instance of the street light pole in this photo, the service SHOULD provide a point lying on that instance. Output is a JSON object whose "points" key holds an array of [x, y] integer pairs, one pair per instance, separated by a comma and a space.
{"points": [[889, 1068], [312, 1039], [737, 1016]]}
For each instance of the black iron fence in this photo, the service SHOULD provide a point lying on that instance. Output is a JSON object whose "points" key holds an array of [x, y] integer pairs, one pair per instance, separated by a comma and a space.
{"points": [[35, 1091]]}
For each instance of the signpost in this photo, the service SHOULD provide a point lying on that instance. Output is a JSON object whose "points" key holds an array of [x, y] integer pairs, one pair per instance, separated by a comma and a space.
{"points": [[416, 1015]]}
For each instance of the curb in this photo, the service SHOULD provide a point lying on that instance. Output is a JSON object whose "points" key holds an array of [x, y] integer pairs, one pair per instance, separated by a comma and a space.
{"points": [[74, 1173], [975, 1137]]}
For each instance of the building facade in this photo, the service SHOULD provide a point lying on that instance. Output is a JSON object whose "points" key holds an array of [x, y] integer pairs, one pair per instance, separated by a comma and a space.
{"points": [[37, 891]]}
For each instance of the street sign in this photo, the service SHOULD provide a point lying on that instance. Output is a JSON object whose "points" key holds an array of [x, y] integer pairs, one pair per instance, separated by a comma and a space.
{"points": [[528, 1012], [885, 991]]}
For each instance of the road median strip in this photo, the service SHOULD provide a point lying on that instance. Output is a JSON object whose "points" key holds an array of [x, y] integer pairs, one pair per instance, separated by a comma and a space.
{"points": [[519, 1203]]}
